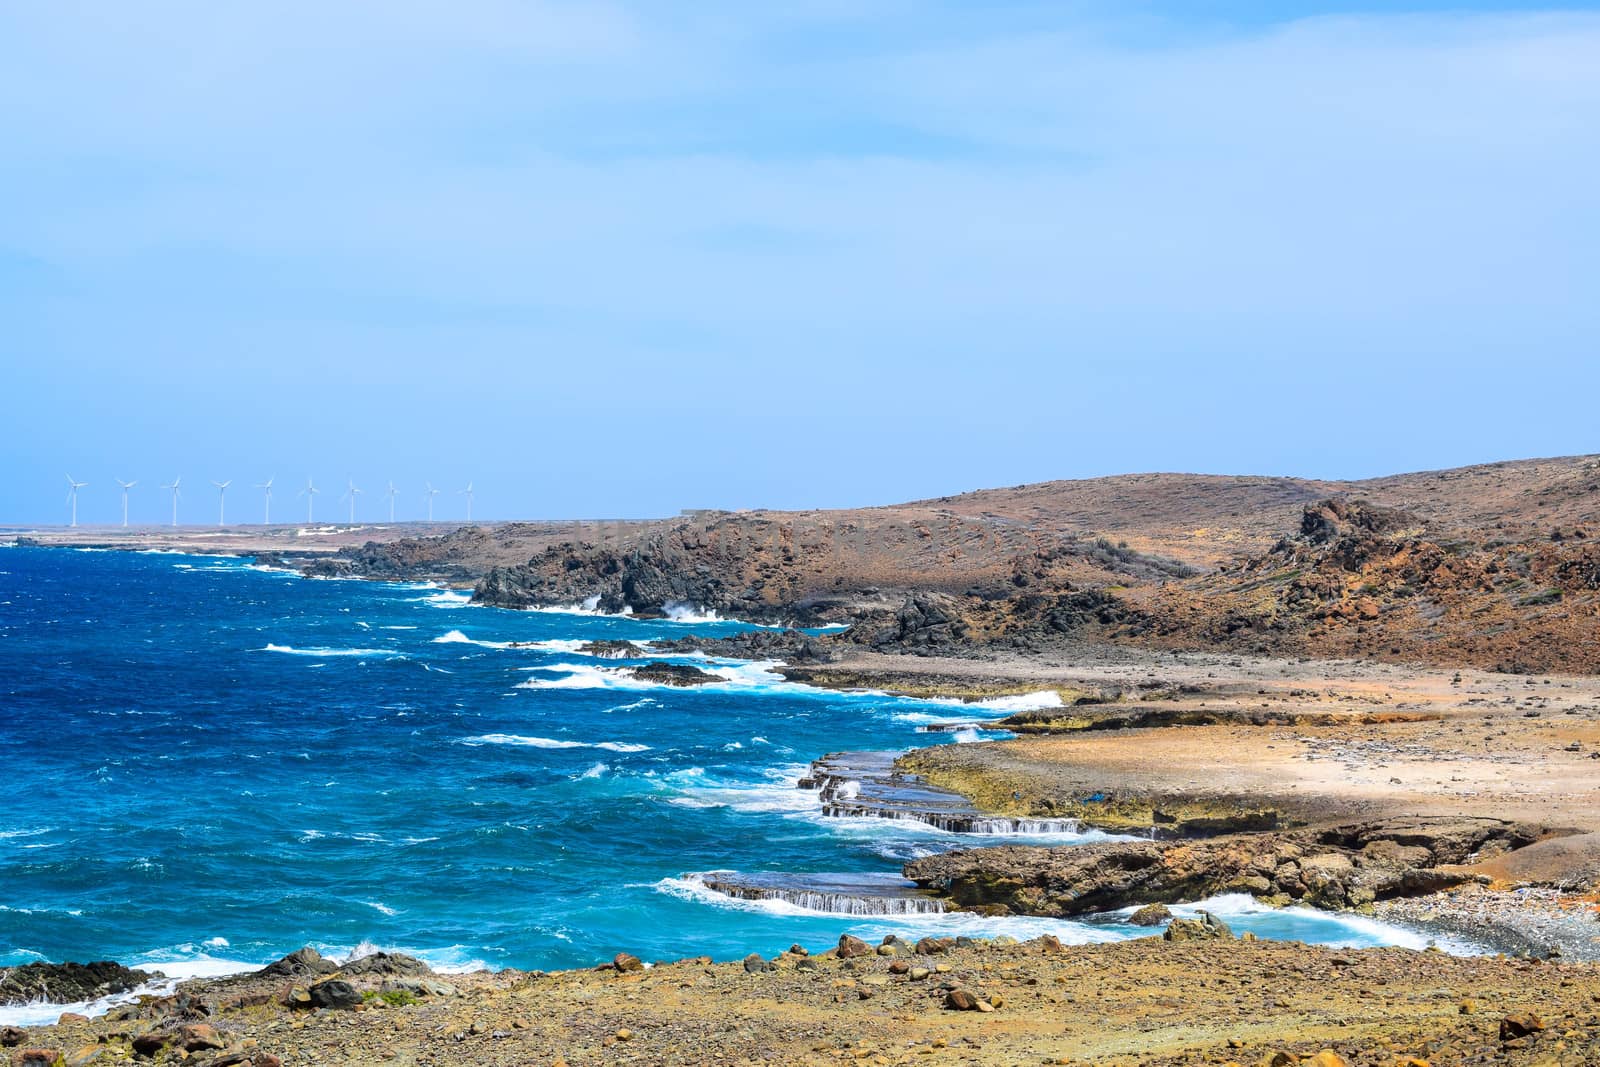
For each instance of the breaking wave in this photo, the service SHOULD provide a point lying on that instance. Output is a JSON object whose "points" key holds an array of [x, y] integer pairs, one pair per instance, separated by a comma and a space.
{"points": [[550, 742]]}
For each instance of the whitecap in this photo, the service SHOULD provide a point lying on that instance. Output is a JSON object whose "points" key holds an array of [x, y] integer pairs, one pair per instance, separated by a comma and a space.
{"points": [[380, 907], [550, 742], [321, 652]]}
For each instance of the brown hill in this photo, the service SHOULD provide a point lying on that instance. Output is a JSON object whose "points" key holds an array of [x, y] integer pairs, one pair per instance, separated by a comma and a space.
{"points": [[1491, 565]]}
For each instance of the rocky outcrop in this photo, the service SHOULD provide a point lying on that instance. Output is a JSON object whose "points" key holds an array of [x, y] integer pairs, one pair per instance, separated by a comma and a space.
{"points": [[790, 645], [66, 983], [1340, 867], [926, 624], [676, 674], [301, 963]]}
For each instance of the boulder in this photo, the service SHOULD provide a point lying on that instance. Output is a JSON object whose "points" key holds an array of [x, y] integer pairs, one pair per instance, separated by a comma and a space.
{"points": [[625, 962], [1151, 915], [1520, 1025], [198, 1037], [754, 964], [301, 963], [961, 1000], [1205, 927], [12, 1036], [851, 947], [389, 964], [334, 993]]}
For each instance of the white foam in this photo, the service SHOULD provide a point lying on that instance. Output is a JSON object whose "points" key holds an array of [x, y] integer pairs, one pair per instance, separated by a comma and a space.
{"points": [[589, 606], [582, 676], [683, 611], [1337, 929], [176, 969], [550, 742], [323, 652], [946, 924], [445, 598], [456, 637], [778, 793], [380, 907]]}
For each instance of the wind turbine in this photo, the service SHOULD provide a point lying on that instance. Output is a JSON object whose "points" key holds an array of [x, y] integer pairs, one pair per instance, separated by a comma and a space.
{"points": [[432, 492], [350, 494], [175, 494], [309, 492], [222, 494], [266, 514], [392, 491], [72, 496], [467, 492], [125, 487]]}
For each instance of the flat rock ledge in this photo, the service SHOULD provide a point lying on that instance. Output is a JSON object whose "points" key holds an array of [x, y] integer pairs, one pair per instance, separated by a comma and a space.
{"points": [[1338, 867], [869, 785]]}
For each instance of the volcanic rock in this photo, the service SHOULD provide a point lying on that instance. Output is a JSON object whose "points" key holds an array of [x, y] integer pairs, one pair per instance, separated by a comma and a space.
{"points": [[334, 993], [298, 964], [66, 983], [678, 674]]}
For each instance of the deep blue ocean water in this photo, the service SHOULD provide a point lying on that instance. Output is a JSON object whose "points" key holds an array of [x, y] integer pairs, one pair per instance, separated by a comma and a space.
{"points": [[207, 765]]}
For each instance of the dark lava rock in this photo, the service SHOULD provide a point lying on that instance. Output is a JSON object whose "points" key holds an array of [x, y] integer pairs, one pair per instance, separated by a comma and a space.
{"points": [[609, 649], [678, 674], [64, 983], [334, 993], [12, 1036], [754, 964], [391, 964], [298, 964], [925, 623]]}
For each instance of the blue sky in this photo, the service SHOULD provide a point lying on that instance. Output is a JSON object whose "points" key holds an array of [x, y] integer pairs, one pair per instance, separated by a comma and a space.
{"points": [[618, 259]]}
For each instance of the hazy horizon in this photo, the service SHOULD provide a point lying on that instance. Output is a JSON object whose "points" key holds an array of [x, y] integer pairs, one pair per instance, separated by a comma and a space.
{"points": [[615, 260]]}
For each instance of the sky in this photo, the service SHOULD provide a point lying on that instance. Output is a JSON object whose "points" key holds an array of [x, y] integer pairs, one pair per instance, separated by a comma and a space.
{"points": [[618, 259]]}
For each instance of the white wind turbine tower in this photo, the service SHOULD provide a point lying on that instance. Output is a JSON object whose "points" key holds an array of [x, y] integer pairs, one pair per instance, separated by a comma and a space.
{"points": [[266, 514], [467, 492], [309, 492], [72, 496], [392, 491], [125, 487], [350, 494], [222, 495], [432, 492], [175, 494]]}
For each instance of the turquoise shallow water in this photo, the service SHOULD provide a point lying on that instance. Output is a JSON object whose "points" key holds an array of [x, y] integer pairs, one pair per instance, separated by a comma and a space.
{"points": [[208, 765]]}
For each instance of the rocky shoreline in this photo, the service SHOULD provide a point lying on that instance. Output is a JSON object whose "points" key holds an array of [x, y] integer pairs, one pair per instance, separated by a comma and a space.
{"points": [[1199, 995]]}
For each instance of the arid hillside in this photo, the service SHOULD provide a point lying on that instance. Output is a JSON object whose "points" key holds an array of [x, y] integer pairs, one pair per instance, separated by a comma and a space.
{"points": [[1495, 566]]}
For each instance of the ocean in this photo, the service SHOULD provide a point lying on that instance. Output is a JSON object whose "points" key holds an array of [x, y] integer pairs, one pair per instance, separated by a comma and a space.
{"points": [[208, 764]]}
